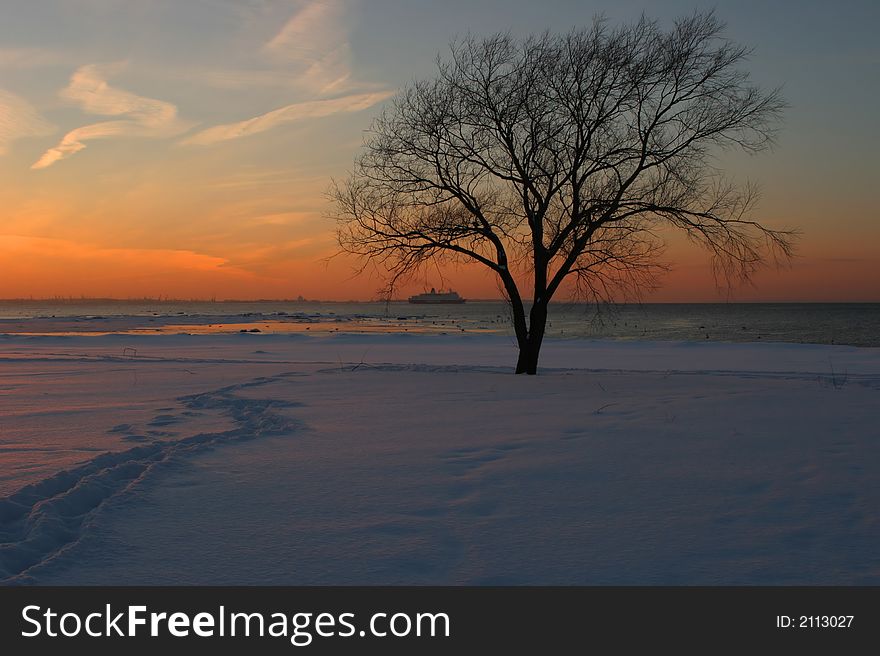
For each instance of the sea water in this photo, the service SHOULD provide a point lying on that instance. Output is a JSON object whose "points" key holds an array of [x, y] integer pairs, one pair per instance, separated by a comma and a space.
{"points": [[856, 324]]}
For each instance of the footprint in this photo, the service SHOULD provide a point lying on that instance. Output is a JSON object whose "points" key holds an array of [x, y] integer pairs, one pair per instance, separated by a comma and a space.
{"points": [[471, 458], [574, 433], [466, 464], [164, 420], [430, 511]]}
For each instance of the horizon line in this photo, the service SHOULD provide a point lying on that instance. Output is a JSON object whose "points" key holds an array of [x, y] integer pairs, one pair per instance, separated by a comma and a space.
{"points": [[168, 300]]}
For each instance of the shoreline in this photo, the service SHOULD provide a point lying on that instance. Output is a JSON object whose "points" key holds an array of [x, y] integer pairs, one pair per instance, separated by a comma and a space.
{"points": [[856, 325]]}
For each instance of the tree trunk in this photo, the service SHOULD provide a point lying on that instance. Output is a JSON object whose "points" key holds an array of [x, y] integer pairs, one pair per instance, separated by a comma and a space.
{"points": [[531, 347]]}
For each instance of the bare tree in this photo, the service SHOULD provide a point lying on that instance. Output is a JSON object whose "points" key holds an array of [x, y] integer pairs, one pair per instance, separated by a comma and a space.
{"points": [[562, 157]]}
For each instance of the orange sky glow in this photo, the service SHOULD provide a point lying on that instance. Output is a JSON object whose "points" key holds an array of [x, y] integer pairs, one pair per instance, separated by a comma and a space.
{"points": [[194, 164]]}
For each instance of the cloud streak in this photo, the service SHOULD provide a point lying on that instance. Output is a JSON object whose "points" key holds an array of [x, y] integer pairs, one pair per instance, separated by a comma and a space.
{"points": [[287, 114], [314, 41], [143, 117], [311, 54], [19, 119]]}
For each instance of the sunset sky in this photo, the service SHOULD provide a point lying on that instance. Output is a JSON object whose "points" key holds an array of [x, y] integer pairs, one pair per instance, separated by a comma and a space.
{"points": [[183, 148]]}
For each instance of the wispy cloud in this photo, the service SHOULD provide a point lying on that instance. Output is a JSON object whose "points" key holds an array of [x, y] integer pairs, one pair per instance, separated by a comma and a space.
{"points": [[315, 42], [19, 119], [310, 54], [285, 78], [288, 114], [143, 117]]}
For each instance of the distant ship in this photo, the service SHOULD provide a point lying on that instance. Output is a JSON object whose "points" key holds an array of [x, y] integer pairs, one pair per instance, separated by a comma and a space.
{"points": [[435, 297]]}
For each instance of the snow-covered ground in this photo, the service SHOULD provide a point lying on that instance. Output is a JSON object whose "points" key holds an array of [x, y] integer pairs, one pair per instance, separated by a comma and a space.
{"points": [[420, 459]]}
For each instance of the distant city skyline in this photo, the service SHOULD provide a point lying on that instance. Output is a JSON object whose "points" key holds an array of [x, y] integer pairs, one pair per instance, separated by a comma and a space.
{"points": [[183, 150]]}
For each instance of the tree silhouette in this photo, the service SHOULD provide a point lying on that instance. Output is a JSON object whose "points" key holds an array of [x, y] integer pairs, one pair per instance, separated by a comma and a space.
{"points": [[561, 157]]}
